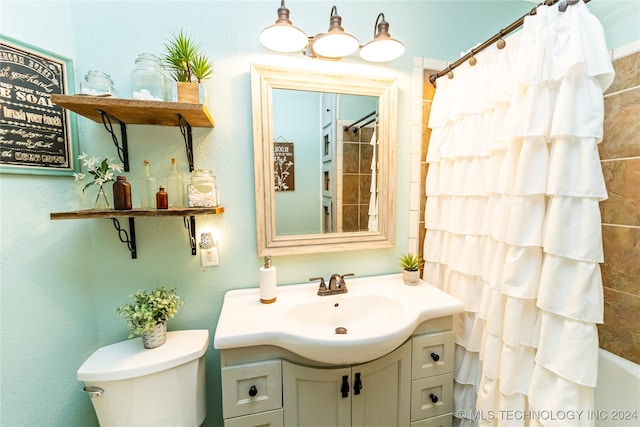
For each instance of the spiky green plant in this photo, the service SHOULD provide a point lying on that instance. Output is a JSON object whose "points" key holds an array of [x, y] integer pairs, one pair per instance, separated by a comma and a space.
{"points": [[149, 308], [411, 262], [183, 59]]}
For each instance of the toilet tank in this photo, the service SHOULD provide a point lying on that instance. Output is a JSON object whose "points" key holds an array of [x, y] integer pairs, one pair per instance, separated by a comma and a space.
{"points": [[164, 386]]}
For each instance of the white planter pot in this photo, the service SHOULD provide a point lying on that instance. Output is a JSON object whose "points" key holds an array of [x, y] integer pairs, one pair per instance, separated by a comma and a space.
{"points": [[155, 338], [411, 277]]}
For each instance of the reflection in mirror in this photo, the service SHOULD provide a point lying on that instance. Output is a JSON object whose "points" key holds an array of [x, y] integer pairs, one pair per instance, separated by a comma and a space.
{"points": [[329, 139], [324, 142]]}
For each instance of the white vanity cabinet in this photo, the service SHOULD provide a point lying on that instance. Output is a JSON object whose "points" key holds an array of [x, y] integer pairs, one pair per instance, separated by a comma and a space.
{"points": [[369, 394], [411, 386]]}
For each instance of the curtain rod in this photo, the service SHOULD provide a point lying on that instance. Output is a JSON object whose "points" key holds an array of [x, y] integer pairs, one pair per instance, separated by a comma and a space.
{"points": [[511, 28], [346, 128]]}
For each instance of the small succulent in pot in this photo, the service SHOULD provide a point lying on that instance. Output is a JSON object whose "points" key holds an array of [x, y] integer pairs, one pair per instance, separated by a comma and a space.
{"points": [[184, 60], [149, 308], [411, 262], [411, 265]]}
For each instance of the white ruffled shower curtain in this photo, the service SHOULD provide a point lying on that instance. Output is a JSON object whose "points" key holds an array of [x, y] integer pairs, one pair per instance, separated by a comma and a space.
{"points": [[513, 222], [373, 189]]}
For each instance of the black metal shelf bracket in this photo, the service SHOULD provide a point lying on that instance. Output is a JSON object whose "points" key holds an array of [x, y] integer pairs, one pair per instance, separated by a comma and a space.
{"points": [[190, 225], [185, 129], [123, 151], [128, 238]]}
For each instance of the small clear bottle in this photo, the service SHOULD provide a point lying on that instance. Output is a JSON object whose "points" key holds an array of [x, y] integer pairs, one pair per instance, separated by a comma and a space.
{"points": [[175, 186], [147, 79], [122, 194], [147, 188], [162, 199], [202, 191], [97, 83]]}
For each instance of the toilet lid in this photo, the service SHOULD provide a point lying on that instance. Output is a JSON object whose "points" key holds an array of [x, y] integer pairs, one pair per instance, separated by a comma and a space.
{"points": [[129, 359]]}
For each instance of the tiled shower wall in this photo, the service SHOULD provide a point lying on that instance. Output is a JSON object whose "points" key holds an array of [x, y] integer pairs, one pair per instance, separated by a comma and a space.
{"points": [[620, 155], [356, 178]]}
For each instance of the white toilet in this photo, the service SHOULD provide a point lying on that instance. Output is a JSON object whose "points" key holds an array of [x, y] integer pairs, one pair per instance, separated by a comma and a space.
{"points": [[165, 386]]}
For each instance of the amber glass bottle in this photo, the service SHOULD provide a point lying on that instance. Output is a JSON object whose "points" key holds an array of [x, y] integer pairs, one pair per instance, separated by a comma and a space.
{"points": [[162, 198], [122, 194]]}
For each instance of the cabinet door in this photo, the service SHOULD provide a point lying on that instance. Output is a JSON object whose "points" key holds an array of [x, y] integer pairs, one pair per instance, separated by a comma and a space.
{"points": [[433, 354], [431, 396], [312, 396], [251, 388], [381, 390]]}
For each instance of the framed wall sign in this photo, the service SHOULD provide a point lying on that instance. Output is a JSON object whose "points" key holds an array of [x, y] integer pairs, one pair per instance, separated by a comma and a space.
{"points": [[36, 136], [283, 167]]}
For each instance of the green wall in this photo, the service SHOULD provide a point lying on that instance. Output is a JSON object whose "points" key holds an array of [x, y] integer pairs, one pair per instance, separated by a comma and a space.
{"points": [[61, 280]]}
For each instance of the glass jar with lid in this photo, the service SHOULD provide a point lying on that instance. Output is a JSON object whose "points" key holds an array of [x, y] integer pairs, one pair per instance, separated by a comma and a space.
{"points": [[147, 79], [97, 83], [202, 191]]}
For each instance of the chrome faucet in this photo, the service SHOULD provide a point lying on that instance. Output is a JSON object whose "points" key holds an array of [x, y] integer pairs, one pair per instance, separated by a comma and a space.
{"points": [[337, 285]]}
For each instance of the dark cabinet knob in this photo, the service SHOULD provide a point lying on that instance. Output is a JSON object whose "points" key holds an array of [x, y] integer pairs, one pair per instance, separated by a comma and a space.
{"points": [[433, 398], [253, 391], [435, 357]]}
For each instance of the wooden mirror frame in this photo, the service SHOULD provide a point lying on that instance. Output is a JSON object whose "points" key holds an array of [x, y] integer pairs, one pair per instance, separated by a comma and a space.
{"points": [[264, 78]]}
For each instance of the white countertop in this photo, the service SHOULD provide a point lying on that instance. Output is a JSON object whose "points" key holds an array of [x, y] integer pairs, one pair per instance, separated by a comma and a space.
{"points": [[379, 313]]}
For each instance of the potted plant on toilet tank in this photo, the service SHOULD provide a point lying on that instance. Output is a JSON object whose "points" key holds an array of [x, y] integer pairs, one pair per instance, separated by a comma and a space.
{"points": [[188, 67], [411, 268], [147, 315]]}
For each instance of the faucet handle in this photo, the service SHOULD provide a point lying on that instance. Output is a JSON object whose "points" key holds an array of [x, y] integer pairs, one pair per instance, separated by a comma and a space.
{"points": [[323, 286], [341, 277]]}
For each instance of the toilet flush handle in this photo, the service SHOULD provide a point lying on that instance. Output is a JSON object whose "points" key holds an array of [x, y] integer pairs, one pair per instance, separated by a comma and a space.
{"points": [[93, 392]]}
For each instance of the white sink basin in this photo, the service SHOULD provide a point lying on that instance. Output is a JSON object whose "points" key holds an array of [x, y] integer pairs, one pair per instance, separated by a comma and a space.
{"points": [[376, 316], [358, 315]]}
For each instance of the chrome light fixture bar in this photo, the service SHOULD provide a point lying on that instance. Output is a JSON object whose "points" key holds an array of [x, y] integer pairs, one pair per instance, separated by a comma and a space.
{"points": [[284, 37]]}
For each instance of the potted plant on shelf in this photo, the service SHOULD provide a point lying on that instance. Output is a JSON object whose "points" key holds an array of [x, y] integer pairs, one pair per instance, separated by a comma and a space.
{"points": [[188, 67], [148, 313], [411, 265]]}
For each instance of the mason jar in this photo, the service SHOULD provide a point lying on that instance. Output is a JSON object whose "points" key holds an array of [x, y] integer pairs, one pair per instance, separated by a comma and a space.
{"points": [[147, 79], [202, 191], [97, 83]]}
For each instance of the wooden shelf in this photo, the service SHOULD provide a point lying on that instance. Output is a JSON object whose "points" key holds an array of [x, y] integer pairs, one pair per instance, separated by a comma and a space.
{"points": [[133, 111], [137, 212], [129, 237]]}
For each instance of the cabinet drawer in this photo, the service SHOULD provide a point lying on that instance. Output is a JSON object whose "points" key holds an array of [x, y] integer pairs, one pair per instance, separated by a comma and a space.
{"points": [[445, 420], [432, 354], [262, 380], [431, 396], [263, 419]]}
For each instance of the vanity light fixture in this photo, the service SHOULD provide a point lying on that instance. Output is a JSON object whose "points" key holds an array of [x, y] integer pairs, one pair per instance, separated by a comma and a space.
{"points": [[335, 43], [284, 37], [382, 48]]}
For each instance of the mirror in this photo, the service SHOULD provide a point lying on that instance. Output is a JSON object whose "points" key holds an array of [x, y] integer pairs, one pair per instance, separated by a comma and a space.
{"points": [[315, 181]]}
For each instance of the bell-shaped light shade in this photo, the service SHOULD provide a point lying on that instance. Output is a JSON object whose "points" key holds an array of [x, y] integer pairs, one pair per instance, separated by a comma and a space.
{"points": [[382, 48], [283, 36], [335, 43]]}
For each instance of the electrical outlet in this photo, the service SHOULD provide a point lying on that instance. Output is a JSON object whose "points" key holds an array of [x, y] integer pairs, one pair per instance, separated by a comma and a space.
{"points": [[209, 257]]}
